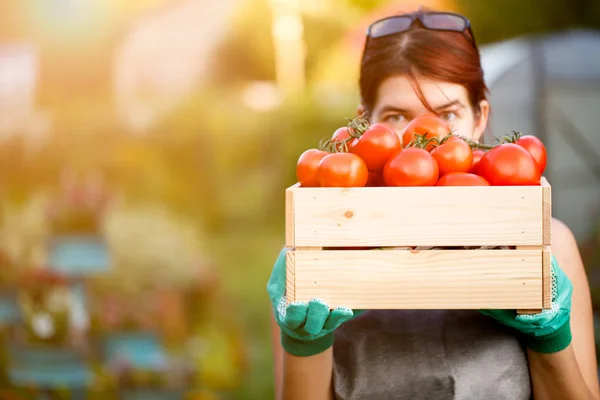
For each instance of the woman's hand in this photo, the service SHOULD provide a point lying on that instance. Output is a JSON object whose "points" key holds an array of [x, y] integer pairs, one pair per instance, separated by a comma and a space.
{"points": [[306, 328], [549, 331]]}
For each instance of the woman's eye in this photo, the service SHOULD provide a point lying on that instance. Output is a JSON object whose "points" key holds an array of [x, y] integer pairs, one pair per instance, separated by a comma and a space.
{"points": [[448, 116], [394, 118]]}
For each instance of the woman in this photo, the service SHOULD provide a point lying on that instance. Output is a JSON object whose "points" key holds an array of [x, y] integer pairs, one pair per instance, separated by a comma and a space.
{"points": [[412, 64]]}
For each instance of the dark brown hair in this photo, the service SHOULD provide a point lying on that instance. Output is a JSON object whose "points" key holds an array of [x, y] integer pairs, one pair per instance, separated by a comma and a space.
{"points": [[439, 55]]}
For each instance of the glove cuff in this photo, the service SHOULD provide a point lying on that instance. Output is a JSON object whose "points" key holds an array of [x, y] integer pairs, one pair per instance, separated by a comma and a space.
{"points": [[306, 348], [551, 343]]}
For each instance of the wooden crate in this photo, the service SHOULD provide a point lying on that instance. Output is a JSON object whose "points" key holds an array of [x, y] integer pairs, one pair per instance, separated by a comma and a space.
{"points": [[325, 226]]}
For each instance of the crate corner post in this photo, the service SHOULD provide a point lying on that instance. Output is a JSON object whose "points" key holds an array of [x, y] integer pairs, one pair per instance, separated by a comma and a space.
{"points": [[547, 242], [547, 212], [546, 278], [290, 275], [290, 225]]}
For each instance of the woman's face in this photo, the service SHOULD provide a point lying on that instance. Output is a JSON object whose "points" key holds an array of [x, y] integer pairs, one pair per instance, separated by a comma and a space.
{"points": [[397, 104]]}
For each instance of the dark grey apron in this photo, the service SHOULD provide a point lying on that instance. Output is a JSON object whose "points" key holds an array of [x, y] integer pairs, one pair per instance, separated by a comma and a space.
{"points": [[429, 355]]}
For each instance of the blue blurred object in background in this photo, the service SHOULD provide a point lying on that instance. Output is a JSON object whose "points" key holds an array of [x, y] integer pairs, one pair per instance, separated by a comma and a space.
{"points": [[141, 350], [9, 311], [47, 367], [79, 255]]}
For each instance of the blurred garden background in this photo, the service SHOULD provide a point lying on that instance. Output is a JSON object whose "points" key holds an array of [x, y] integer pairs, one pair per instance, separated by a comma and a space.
{"points": [[145, 146]]}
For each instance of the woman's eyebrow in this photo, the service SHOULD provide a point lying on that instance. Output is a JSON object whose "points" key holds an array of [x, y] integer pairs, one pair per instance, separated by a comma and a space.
{"points": [[450, 104], [385, 109], [390, 108]]}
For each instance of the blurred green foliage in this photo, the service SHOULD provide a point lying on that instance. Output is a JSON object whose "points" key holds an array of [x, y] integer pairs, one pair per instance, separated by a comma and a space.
{"points": [[251, 36]]}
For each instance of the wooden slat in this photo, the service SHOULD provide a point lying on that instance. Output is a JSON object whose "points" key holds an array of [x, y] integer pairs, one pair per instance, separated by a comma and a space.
{"points": [[289, 216], [429, 279], [417, 216], [547, 212]]}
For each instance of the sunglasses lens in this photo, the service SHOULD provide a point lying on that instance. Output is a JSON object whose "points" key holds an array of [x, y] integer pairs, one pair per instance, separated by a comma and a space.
{"points": [[446, 22], [390, 26]]}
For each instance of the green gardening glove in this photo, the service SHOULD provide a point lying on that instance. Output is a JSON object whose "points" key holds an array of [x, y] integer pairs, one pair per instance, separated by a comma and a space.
{"points": [[549, 331], [306, 328]]}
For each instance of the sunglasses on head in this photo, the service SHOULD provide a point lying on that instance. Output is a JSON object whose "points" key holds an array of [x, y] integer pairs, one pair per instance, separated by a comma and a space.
{"points": [[436, 21]]}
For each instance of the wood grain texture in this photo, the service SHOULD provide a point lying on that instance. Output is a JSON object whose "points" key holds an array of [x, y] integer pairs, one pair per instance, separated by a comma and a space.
{"points": [[289, 216], [428, 279], [290, 275], [547, 212], [418, 216], [544, 288], [547, 278]]}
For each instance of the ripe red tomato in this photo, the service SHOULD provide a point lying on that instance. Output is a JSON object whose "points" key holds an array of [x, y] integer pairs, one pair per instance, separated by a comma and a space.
{"points": [[429, 125], [411, 167], [509, 165], [342, 170], [306, 169], [477, 154], [454, 155], [536, 148], [462, 179], [340, 135], [376, 146]]}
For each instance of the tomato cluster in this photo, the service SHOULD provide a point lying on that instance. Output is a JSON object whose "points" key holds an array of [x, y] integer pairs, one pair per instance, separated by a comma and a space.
{"points": [[426, 153]]}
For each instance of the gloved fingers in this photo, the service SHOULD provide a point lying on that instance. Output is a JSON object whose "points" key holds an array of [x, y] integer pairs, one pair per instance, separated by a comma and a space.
{"points": [[534, 320], [318, 311], [296, 314], [337, 317]]}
